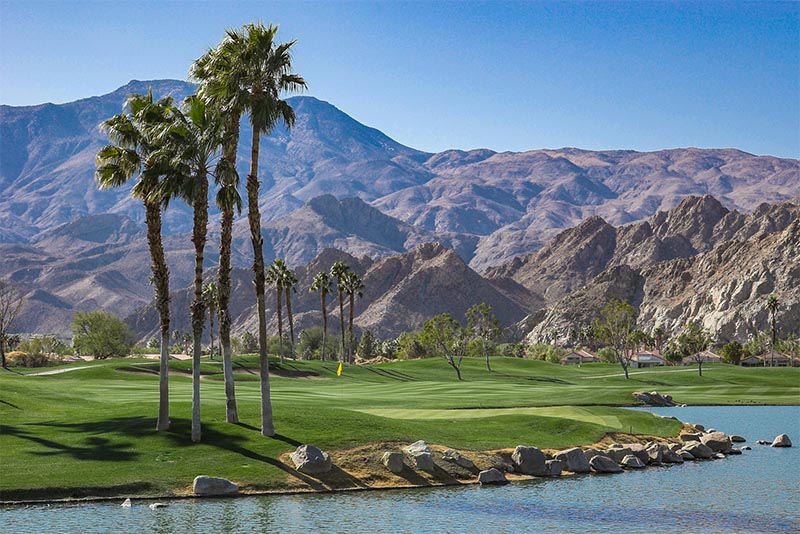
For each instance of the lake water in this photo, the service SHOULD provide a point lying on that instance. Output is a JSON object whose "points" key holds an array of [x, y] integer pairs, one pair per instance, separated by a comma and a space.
{"points": [[756, 492]]}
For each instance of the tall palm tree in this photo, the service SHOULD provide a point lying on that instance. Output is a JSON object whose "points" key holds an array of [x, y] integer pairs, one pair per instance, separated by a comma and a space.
{"points": [[211, 300], [193, 140], [338, 270], [136, 154], [772, 306], [322, 283], [289, 283], [250, 73], [219, 87], [275, 276], [353, 285]]}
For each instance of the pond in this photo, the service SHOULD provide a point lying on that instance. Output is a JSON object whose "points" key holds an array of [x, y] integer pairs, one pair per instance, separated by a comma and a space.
{"points": [[752, 493]]}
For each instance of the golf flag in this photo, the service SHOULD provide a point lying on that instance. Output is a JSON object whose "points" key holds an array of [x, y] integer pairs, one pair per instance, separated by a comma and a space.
{"points": [[339, 370]]}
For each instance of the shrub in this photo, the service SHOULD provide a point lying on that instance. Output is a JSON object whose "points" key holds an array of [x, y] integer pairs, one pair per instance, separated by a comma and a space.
{"points": [[100, 334]]}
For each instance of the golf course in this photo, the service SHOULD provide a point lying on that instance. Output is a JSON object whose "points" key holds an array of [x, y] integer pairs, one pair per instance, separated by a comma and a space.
{"points": [[89, 431]]}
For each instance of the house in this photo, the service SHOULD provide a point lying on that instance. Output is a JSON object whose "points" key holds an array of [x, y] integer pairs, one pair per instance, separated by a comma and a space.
{"points": [[577, 357], [767, 360], [702, 357], [644, 358]]}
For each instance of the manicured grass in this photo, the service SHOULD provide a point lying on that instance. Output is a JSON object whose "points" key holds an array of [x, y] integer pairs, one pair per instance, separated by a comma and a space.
{"points": [[91, 431]]}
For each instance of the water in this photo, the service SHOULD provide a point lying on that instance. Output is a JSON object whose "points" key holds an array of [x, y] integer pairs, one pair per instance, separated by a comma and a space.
{"points": [[753, 493]]}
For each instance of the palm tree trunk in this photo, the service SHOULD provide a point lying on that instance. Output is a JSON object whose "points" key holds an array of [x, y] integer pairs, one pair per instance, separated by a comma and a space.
{"points": [[486, 355], [324, 323], [289, 315], [279, 298], [254, 217], [161, 282], [211, 311], [224, 285], [341, 321], [200, 227]]}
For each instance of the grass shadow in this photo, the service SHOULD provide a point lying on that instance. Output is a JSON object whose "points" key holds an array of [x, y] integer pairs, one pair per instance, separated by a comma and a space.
{"points": [[391, 374], [95, 448], [10, 404]]}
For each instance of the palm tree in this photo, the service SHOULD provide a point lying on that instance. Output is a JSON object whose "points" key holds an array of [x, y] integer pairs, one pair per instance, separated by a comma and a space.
{"points": [[322, 283], [193, 140], [275, 277], [248, 72], [353, 285], [289, 283], [338, 270], [772, 306], [135, 154], [211, 300], [219, 88]]}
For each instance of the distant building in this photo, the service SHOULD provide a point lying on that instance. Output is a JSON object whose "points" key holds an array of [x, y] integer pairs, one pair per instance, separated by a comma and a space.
{"points": [[577, 357], [644, 358], [766, 360], [702, 357]]}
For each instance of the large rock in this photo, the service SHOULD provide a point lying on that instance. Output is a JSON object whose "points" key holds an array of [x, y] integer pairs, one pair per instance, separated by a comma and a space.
{"points": [[421, 454], [591, 453], [554, 467], [632, 461], [781, 441], [204, 485], [653, 398], [492, 476], [457, 458], [686, 455], [310, 460], [655, 453], [737, 439], [574, 460], [603, 464], [640, 452], [671, 457], [393, 461], [716, 441], [690, 437], [529, 461], [698, 450], [618, 452], [418, 447]]}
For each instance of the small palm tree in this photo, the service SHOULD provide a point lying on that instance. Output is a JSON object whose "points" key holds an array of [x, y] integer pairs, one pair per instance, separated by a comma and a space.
{"points": [[211, 300], [772, 306], [275, 277], [289, 285], [323, 283], [353, 285], [338, 270], [136, 154]]}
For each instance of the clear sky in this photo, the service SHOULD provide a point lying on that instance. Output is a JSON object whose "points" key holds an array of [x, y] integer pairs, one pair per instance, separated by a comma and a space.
{"points": [[438, 75]]}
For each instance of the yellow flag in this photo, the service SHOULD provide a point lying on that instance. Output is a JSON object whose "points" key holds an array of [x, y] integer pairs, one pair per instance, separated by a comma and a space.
{"points": [[339, 370]]}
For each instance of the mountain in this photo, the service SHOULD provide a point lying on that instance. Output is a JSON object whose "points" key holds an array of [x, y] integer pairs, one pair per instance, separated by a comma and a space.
{"points": [[401, 293], [698, 262], [497, 205]]}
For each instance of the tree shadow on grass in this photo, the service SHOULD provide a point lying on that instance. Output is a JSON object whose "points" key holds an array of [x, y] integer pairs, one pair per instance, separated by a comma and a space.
{"points": [[10, 404], [392, 374], [92, 448]]}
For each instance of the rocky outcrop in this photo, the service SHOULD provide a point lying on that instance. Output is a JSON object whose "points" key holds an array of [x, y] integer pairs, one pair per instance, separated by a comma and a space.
{"points": [[653, 398], [310, 460], [529, 461], [208, 486]]}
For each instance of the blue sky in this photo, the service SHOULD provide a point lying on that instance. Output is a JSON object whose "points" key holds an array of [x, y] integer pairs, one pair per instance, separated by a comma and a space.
{"points": [[438, 75]]}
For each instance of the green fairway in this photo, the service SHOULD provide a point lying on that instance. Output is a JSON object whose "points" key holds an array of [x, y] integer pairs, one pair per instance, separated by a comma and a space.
{"points": [[91, 431]]}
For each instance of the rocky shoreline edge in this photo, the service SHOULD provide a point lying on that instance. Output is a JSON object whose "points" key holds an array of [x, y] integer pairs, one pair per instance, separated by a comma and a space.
{"points": [[395, 465]]}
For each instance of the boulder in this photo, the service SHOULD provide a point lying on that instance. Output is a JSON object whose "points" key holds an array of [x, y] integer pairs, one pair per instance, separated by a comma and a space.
{"points": [[553, 468], [763, 442], [781, 441], [204, 485], [690, 437], [716, 441], [734, 451], [455, 457], [126, 503], [602, 464], [640, 451], [747, 448], [632, 461], [529, 461], [686, 456], [675, 447], [719, 456], [393, 461], [617, 454], [737, 439], [492, 476], [671, 457], [698, 450], [591, 453], [701, 428], [655, 453], [418, 447], [310, 460], [653, 398], [574, 460]]}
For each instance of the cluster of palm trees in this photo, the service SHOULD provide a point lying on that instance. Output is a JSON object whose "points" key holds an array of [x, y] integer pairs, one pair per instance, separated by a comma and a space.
{"points": [[172, 151], [347, 283]]}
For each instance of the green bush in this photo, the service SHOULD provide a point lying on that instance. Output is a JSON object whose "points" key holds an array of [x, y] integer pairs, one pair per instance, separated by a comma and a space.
{"points": [[100, 334]]}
